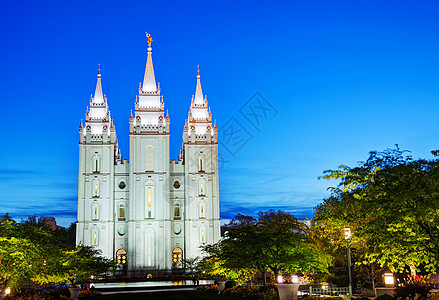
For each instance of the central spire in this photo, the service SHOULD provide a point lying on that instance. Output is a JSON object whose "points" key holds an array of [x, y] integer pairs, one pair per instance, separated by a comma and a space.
{"points": [[99, 96], [149, 84], [198, 91]]}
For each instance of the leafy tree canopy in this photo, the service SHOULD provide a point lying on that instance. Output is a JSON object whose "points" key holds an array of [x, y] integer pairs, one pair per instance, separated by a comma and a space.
{"points": [[276, 240], [391, 202]]}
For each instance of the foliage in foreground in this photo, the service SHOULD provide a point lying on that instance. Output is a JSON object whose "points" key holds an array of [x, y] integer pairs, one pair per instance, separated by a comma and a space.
{"points": [[391, 202], [31, 253], [276, 240]]}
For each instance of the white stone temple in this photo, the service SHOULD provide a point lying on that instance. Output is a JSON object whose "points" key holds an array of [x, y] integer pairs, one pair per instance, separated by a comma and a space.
{"points": [[148, 213]]}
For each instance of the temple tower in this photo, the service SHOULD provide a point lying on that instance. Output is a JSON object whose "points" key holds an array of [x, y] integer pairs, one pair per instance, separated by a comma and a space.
{"points": [[200, 159], [149, 224], [98, 154]]}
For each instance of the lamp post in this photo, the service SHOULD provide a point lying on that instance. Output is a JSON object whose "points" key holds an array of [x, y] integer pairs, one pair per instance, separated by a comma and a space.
{"points": [[347, 236]]}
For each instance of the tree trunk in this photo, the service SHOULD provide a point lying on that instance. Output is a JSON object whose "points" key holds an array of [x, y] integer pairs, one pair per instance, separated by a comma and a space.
{"points": [[372, 272]]}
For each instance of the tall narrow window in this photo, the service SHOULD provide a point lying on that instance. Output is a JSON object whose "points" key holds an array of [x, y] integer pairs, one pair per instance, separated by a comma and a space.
{"points": [[202, 235], [96, 164], [177, 211], [202, 210], [201, 188], [95, 212], [149, 203], [149, 158], [121, 212], [149, 248], [95, 237], [200, 164], [95, 187]]}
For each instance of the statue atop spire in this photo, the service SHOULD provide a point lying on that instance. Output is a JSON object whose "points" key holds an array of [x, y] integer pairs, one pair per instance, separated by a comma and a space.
{"points": [[149, 84], [149, 38]]}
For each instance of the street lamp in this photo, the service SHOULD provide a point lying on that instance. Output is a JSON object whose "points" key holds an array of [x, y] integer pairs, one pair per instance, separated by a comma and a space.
{"points": [[347, 236], [389, 280]]}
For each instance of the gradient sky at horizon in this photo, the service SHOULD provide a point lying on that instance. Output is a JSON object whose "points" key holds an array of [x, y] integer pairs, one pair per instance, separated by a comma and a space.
{"points": [[342, 78]]}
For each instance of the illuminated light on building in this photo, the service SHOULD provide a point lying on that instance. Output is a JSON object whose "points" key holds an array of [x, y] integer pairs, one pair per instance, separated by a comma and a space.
{"points": [[280, 279]]}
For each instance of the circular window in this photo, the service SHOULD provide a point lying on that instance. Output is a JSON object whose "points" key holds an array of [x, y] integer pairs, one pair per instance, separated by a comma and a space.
{"points": [[122, 185], [177, 229], [121, 230], [176, 184]]}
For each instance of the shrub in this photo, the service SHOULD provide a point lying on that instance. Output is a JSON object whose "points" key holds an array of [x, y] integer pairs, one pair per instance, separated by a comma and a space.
{"points": [[384, 297], [411, 291], [267, 292], [229, 284], [212, 288]]}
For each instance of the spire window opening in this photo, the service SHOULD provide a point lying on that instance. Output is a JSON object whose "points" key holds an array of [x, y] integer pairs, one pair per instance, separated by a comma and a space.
{"points": [[96, 164], [95, 212], [149, 248], [95, 237], [202, 210], [149, 212], [200, 165], [121, 212], [149, 156], [202, 235], [201, 188], [177, 215], [96, 188]]}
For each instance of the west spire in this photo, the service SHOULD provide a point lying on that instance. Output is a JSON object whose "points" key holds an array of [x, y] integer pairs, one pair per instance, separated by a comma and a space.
{"points": [[198, 92], [149, 84], [99, 96]]}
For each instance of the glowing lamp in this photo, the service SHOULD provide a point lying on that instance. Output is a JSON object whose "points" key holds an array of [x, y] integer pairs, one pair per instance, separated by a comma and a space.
{"points": [[7, 291], [295, 279], [280, 279], [347, 233], [389, 280]]}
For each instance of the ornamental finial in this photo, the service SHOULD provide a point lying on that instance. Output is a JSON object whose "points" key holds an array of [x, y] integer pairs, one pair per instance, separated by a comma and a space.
{"points": [[149, 38], [99, 70], [198, 71]]}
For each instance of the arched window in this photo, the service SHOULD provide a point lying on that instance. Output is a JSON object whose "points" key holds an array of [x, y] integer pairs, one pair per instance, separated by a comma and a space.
{"points": [[149, 201], [177, 256], [95, 237], [121, 258], [177, 212], [202, 212], [149, 158], [149, 248], [96, 188], [95, 212], [201, 187], [122, 212], [96, 164], [202, 235]]}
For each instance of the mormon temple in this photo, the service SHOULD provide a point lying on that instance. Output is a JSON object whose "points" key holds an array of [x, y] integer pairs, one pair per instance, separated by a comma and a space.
{"points": [[149, 213]]}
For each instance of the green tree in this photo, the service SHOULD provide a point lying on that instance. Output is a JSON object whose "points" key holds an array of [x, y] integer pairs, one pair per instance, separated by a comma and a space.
{"points": [[392, 204], [31, 252], [276, 240]]}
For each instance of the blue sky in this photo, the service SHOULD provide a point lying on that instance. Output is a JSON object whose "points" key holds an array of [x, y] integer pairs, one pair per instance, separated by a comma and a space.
{"points": [[338, 79]]}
